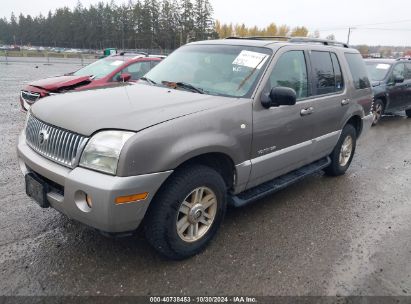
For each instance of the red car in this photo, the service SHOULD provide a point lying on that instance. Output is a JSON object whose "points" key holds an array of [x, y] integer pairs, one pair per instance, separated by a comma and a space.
{"points": [[106, 72]]}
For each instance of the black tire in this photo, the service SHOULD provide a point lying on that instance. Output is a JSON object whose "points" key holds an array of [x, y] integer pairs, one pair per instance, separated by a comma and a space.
{"points": [[378, 109], [408, 113], [336, 168], [160, 224]]}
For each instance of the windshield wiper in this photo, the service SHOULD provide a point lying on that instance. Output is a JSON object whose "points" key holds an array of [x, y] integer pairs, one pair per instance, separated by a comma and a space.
{"points": [[183, 85], [152, 82]]}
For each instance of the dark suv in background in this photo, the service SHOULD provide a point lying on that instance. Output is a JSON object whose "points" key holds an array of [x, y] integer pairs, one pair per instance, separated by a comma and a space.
{"points": [[391, 82]]}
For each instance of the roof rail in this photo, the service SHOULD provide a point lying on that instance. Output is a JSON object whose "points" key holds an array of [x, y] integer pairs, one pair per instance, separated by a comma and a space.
{"points": [[403, 58], [260, 37], [132, 53], [158, 56], [317, 40], [294, 40]]}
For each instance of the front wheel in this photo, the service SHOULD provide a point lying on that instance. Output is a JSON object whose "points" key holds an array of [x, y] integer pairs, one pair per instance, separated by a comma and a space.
{"points": [[343, 152], [187, 212]]}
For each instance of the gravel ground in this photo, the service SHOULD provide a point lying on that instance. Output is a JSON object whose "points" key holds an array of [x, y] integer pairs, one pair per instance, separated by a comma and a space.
{"points": [[322, 236]]}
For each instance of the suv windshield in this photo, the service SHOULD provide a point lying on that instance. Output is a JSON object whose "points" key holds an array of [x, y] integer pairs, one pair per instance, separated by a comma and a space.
{"points": [[225, 70], [101, 67], [378, 71]]}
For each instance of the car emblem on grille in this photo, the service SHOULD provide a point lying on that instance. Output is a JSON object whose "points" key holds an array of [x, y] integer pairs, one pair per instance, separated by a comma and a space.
{"points": [[43, 137]]}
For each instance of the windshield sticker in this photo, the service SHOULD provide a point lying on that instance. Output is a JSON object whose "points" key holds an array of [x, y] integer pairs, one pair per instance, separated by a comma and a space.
{"points": [[116, 63], [249, 59], [383, 66]]}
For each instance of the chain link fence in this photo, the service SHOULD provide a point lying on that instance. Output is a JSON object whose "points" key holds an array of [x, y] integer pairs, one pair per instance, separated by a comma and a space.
{"points": [[45, 57]]}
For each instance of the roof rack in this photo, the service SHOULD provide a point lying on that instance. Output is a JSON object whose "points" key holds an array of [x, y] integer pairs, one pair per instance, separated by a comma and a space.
{"points": [[317, 40], [403, 58], [260, 37], [294, 40]]}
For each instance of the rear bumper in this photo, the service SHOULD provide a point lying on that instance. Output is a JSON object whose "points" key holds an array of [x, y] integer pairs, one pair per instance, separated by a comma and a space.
{"points": [[104, 215]]}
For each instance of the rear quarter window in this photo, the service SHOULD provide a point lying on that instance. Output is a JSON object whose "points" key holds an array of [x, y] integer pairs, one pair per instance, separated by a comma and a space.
{"points": [[358, 71]]}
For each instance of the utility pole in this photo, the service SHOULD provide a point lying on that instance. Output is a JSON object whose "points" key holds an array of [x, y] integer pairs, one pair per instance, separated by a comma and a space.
{"points": [[122, 34], [349, 33]]}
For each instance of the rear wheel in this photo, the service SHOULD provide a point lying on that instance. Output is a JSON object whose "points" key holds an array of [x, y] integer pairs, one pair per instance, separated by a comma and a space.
{"points": [[377, 111], [408, 113], [343, 152], [187, 212]]}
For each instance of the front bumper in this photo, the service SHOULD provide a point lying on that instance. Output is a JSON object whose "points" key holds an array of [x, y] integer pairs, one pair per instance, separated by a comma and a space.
{"points": [[104, 215], [366, 123]]}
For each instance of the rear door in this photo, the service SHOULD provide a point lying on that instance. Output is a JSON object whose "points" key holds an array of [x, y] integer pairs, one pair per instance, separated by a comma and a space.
{"points": [[360, 92], [330, 101]]}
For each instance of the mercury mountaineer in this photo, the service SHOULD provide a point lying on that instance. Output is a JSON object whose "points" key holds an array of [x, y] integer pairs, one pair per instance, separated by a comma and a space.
{"points": [[216, 123]]}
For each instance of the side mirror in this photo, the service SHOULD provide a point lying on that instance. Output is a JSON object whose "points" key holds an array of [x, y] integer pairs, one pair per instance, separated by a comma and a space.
{"points": [[124, 77], [398, 79], [279, 96]]}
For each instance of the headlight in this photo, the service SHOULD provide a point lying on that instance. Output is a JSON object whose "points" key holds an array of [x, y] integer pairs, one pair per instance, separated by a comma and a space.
{"points": [[103, 150]]}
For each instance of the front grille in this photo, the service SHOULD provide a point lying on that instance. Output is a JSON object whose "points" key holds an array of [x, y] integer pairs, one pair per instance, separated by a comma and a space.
{"points": [[30, 96], [59, 145]]}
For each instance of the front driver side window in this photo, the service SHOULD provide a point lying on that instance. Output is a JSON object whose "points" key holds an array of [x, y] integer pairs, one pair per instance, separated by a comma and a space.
{"points": [[291, 71], [136, 70]]}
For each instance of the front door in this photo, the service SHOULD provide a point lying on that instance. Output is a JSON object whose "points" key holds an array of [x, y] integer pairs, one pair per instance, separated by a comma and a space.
{"points": [[282, 135]]}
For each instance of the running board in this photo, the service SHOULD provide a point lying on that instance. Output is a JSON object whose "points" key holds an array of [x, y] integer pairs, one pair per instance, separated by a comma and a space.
{"points": [[278, 183]]}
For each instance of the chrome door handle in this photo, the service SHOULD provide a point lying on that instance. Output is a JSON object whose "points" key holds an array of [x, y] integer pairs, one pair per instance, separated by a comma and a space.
{"points": [[345, 102], [308, 111]]}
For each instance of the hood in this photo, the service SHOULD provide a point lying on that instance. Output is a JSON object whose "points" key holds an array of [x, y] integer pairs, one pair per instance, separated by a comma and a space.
{"points": [[131, 108], [60, 82]]}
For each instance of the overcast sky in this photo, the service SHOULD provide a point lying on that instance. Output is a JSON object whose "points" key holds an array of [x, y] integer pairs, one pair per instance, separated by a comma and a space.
{"points": [[376, 22]]}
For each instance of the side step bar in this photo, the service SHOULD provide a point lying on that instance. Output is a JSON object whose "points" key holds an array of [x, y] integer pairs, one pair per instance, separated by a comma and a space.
{"points": [[278, 183]]}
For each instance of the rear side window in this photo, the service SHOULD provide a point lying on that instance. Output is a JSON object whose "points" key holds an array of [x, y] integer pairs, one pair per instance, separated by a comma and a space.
{"points": [[324, 78], [408, 71], [358, 71]]}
